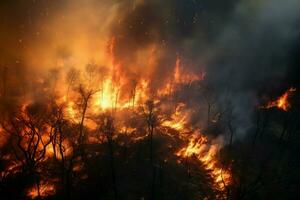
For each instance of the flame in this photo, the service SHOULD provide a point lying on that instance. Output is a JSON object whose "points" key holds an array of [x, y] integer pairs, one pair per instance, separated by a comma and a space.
{"points": [[178, 119], [199, 146], [205, 152], [112, 93], [67, 149], [283, 101], [71, 111], [46, 189], [182, 77], [11, 166], [105, 98]]}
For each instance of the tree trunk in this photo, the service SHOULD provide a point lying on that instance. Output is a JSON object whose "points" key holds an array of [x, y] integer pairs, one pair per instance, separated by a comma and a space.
{"points": [[113, 174]]}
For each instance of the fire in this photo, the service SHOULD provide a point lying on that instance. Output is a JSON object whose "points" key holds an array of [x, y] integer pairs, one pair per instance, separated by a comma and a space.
{"points": [[181, 77], [205, 152], [115, 91], [12, 167], [178, 119], [195, 146], [52, 151], [105, 98], [283, 101], [199, 146], [45, 189], [71, 111]]}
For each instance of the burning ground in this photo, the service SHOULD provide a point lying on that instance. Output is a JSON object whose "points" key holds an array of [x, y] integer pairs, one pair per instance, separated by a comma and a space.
{"points": [[149, 99]]}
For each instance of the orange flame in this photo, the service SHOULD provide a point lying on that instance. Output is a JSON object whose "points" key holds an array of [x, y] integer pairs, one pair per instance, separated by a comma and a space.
{"points": [[282, 102], [46, 189], [200, 147], [206, 153], [108, 96]]}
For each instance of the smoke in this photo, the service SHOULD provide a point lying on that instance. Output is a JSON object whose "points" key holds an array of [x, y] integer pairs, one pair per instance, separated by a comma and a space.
{"points": [[253, 55], [244, 46]]}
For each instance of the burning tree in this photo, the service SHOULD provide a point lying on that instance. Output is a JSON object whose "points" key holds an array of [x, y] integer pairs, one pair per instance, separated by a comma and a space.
{"points": [[31, 133], [107, 128], [122, 110]]}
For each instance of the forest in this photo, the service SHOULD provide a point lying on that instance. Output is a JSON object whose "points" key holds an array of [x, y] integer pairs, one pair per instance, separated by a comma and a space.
{"points": [[134, 99]]}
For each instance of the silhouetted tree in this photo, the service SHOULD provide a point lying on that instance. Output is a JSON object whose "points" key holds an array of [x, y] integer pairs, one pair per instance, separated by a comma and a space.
{"points": [[107, 127], [32, 133]]}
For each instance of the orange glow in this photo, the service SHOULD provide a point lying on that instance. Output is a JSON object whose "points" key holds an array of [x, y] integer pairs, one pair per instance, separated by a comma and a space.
{"points": [[66, 147], [119, 80], [283, 101], [116, 90], [3, 137], [71, 110], [178, 119], [46, 189], [183, 77], [205, 152], [199, 146]]}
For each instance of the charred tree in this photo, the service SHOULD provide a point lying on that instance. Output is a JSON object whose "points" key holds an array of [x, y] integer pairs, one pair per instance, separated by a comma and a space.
{"points": [[85, 97], [32, 133], [151, 119], [107, 127]]}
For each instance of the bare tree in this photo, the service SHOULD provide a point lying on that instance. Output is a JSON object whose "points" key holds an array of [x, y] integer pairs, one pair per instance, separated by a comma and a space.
{"points": [[134, 83], [151, 119], [230, 126], [84, 100], [91, 72], [107, 127], [32, 134], [53, 78], [72, 75], [65, 143], [209, 97]]}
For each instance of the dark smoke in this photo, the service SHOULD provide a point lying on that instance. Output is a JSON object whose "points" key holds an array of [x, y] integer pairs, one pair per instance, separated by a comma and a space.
{"points": [[248, 48]]}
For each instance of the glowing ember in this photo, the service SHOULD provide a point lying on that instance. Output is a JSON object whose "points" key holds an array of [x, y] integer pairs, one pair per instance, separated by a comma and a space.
{"points": [[45, 190]]}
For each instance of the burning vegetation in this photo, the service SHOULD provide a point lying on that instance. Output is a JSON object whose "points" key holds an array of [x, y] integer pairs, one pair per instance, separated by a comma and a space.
{"points": [[283, 101], [115, 100], [89, 110]]}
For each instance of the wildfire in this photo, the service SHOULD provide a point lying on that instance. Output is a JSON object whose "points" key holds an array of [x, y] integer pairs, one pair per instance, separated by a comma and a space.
{"points": [[205, 152], [117, 92], [178, 119], [45, 189], [199, 146], [283, 101], [105, 98], [181, 77], [52, 151], [71, 111]]}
